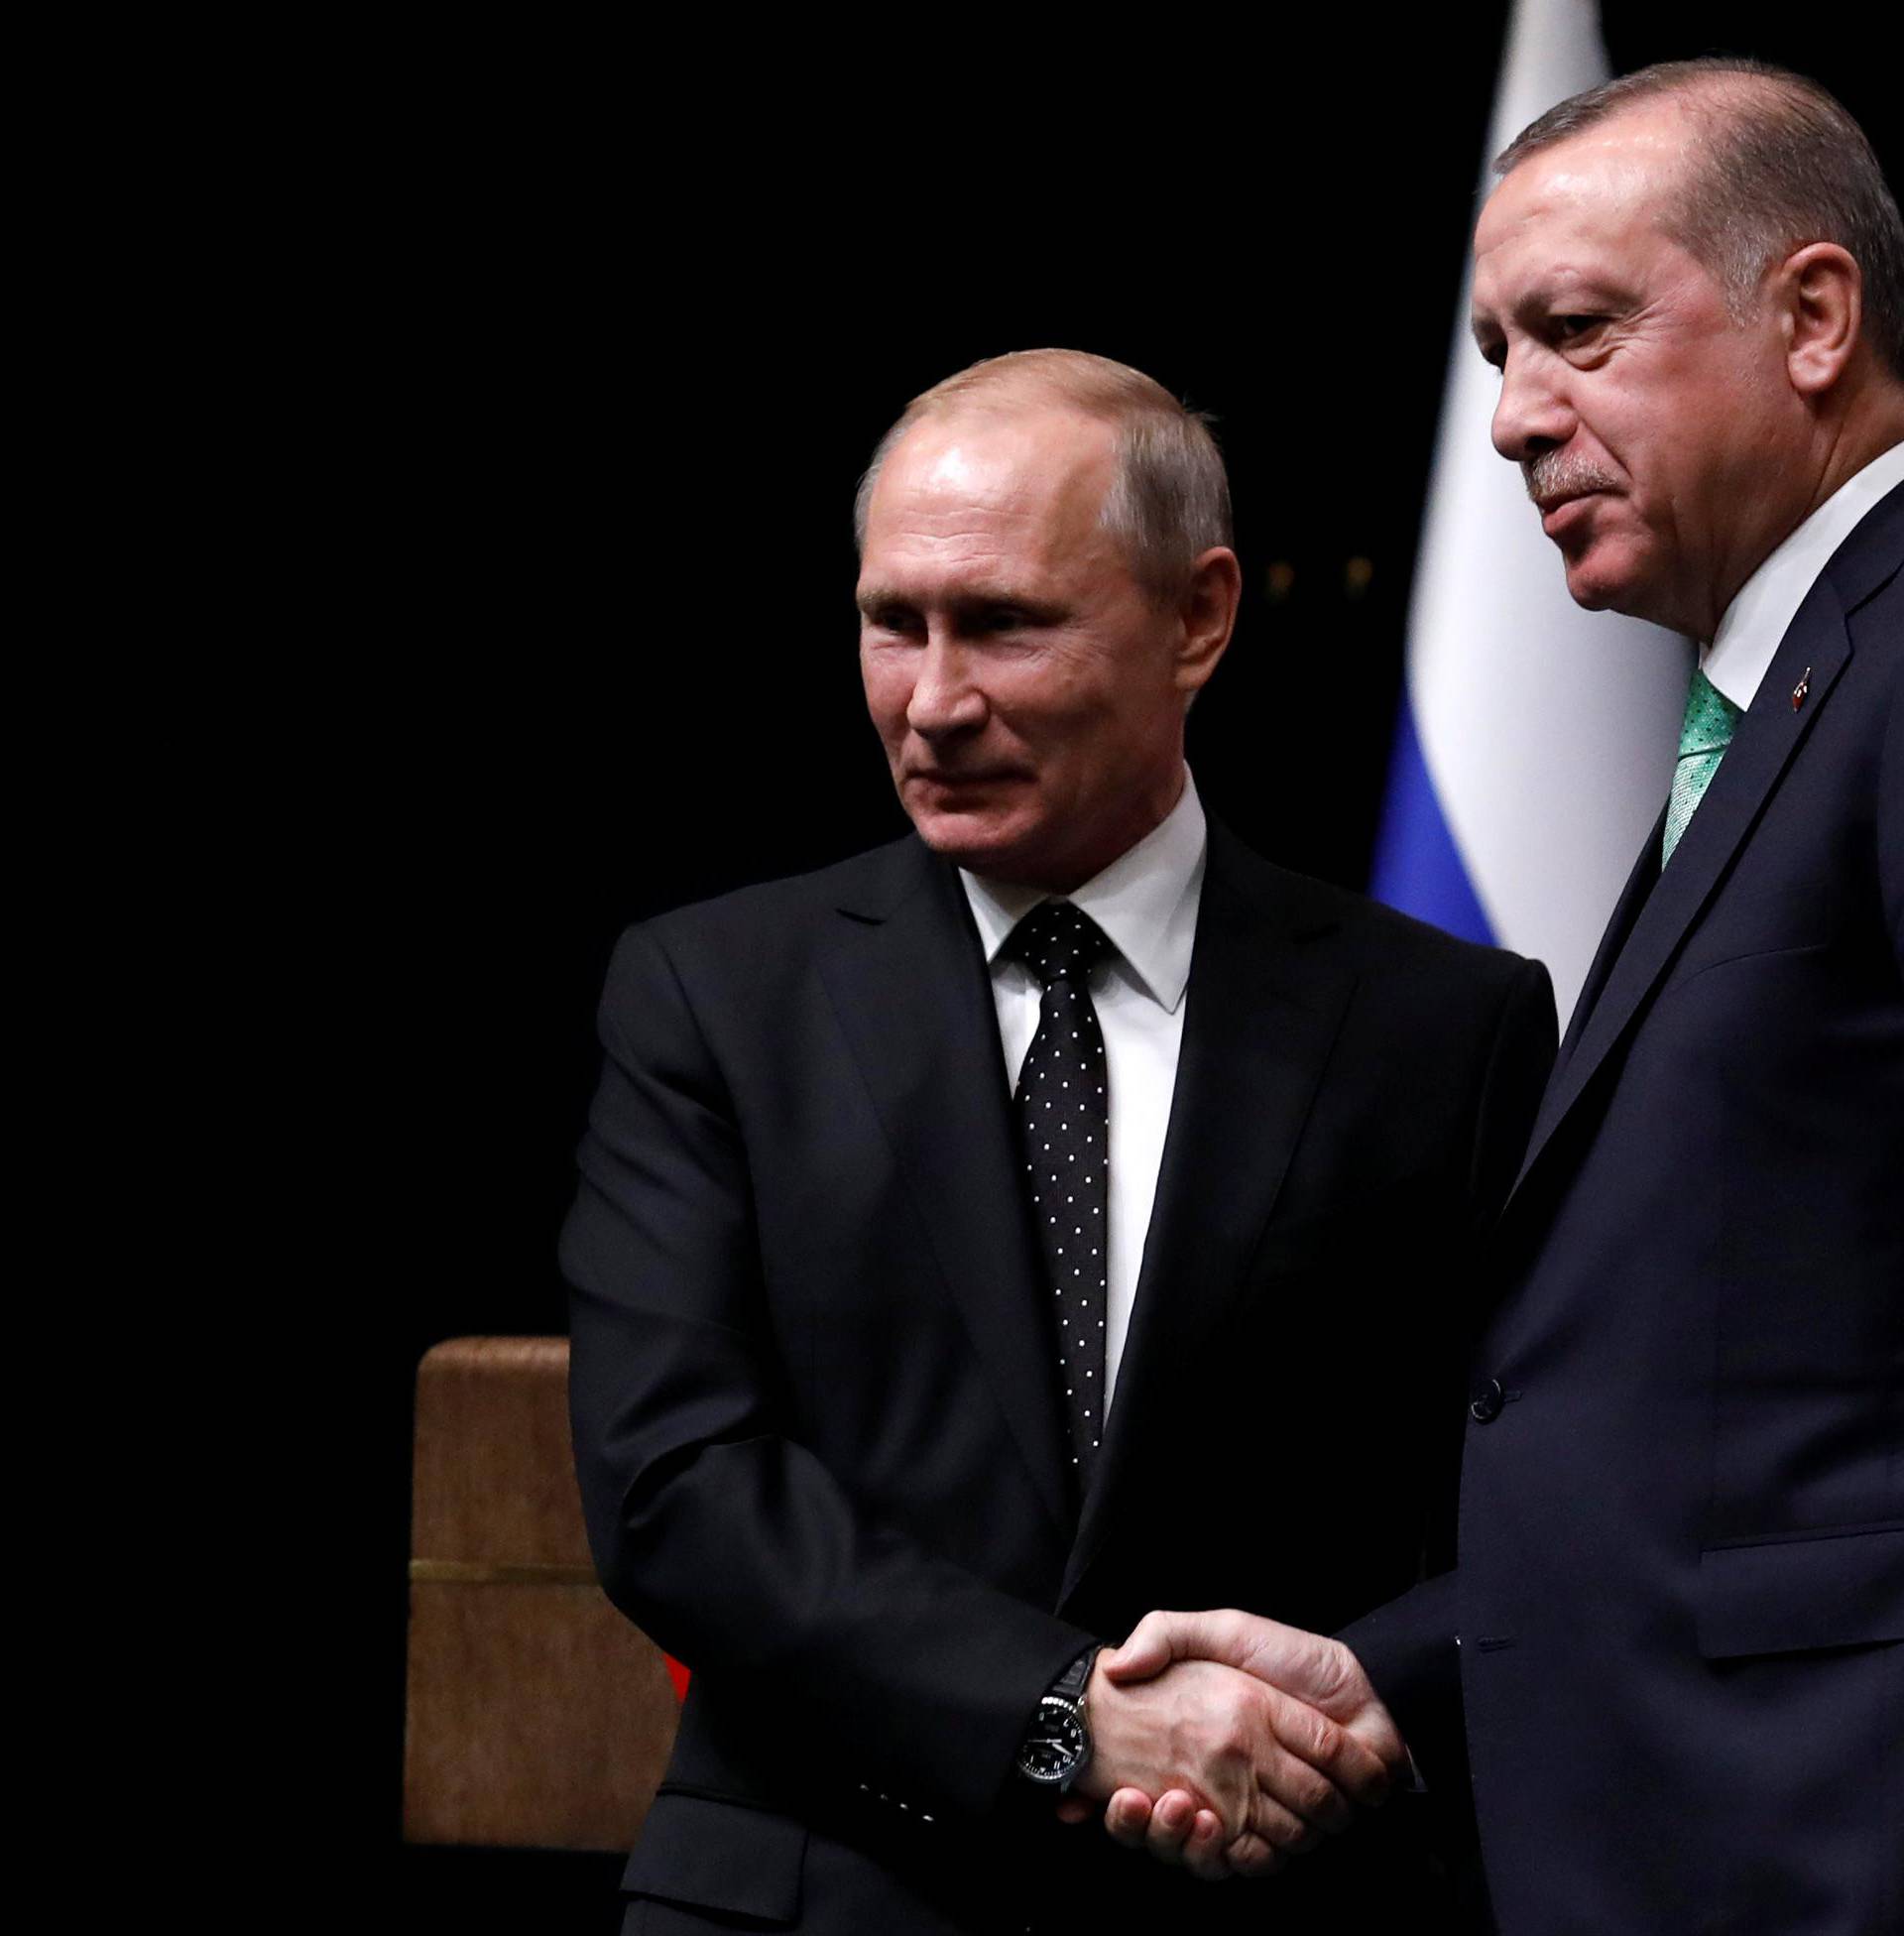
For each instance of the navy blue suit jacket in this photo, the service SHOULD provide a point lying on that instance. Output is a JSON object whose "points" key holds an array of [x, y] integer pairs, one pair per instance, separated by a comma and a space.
{"points": [[1680, 1588]]}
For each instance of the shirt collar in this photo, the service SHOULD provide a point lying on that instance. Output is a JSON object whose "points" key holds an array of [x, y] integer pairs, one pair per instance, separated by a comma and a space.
{"points": [[1756, 619], [1146, 900]]}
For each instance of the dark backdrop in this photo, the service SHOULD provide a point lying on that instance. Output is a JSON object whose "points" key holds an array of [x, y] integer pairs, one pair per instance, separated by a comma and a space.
{"points": [[632, 348]]}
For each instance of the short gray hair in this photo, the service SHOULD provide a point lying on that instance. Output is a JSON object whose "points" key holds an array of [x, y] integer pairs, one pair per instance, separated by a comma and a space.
{"points": [[1169, 501], [1776, 163]]}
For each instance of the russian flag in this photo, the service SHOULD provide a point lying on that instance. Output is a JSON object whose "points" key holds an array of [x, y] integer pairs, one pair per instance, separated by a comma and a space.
{"points": [[1535, 743]]}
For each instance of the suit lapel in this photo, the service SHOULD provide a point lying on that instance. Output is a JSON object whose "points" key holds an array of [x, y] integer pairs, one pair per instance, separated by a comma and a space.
{"points": [[907, 980], [1632, 898], [1815, 646], [1264, 1008]]}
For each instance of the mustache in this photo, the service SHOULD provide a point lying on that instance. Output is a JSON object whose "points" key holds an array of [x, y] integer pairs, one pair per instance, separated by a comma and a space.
{"points": [[1556, 475]]}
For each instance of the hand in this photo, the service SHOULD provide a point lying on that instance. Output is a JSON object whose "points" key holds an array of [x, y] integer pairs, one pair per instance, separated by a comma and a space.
{"points": [[1315, 1669], [1333, 1693], [1246, 1774]]}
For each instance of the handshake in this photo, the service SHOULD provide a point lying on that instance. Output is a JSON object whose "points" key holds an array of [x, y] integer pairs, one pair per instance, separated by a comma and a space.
{"points": [[1230, 1744]]}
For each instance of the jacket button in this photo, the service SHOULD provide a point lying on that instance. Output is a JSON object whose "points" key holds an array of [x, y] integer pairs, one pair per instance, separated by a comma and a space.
{"points": [[1485, 1405]]}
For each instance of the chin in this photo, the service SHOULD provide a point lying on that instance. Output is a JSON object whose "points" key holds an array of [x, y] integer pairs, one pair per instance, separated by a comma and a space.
{"points": [[968, 840], [1612, 576], [1605, 588], [1630, 600]]}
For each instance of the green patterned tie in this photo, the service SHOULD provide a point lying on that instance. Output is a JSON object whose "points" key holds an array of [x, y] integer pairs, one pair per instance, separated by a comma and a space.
{"points": [[1704, 736]]}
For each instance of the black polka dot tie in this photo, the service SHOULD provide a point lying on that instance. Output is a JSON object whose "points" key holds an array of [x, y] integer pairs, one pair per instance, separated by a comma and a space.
{"points": [[1063, 1114]]}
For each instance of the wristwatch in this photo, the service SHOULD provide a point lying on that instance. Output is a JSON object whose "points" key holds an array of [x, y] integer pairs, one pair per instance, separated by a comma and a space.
{"points": [[1057, 1746]]}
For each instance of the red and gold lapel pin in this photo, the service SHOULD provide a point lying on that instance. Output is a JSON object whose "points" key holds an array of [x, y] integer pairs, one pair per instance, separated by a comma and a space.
{"points": [[1803, 686]]}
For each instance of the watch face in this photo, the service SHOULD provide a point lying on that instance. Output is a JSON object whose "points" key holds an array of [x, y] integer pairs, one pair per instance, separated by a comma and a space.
{"points": [[1055, 1744]]}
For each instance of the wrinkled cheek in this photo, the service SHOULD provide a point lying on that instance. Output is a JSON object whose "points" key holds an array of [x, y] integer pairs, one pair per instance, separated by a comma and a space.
{"points": [[886, 707]]}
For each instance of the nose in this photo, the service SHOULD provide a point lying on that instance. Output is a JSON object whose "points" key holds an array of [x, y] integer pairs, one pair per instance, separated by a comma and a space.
{"points": [[1532, 415], [946, 698]]}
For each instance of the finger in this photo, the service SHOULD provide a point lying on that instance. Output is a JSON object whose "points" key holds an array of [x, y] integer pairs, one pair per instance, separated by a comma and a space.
{"points": [[1074, 1808], [1203, 1853], [1250, 1855], [1302, 1792], [1144, 1655], [1319, 1671], [1374, 1727], [1172, 1822], [1127, 1817], [1334, 1753], [1158, 1638], [1282, 1831]]}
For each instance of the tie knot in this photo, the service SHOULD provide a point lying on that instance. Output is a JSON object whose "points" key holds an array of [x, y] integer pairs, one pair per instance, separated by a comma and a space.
{"points": [[1709, 721], [1058, 942]]}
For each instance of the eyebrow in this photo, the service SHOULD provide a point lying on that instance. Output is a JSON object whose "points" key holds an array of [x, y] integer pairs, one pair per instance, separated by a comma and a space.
{"points": [[872, 598], [1566, 292]]}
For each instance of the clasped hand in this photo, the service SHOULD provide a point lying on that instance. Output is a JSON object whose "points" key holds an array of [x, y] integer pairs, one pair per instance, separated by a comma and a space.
{"points": [[1231, 1744]]}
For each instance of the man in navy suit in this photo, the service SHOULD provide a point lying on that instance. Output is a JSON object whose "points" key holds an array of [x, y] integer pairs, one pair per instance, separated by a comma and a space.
{"points": [[883, 1380], [1675, 1618]]}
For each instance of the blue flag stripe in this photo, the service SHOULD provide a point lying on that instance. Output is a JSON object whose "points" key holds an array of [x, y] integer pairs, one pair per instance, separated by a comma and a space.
{"points": [[1417, 866]]}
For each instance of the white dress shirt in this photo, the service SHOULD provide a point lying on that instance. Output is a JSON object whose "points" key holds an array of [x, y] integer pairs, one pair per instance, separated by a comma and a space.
{"points": [[1147, 903], [1768, 601]]}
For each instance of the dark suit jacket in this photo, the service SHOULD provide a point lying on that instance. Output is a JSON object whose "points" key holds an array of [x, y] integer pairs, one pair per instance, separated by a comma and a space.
{"points": [[1681, 1578], [818, 1431]]}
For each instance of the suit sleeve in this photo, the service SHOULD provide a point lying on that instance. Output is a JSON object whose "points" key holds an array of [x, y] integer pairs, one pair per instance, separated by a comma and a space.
{"points": [[1407, 1648], [718, 1533]]}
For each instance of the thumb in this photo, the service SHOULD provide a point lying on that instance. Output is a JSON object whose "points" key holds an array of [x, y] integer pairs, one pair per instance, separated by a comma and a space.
{"points": [[1159, 1638]]}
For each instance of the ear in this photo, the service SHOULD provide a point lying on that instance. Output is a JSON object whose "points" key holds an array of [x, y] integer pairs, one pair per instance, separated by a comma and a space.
{"points": [[1820, 290], [1209, 616]]}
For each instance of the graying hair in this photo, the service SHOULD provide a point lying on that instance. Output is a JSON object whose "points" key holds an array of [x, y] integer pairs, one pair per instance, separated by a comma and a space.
{"points": [[1169, 500], [1776, 163]]}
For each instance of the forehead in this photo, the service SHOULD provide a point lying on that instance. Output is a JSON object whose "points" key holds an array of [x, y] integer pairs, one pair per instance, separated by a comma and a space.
{"points": [[1032, 479], [1592, 205]]}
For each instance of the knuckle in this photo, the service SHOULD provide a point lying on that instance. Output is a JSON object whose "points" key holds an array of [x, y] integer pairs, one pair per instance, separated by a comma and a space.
{"points": [[1314, 1797], [1281, 1831], [1344, 1670], [1324, 1739]]}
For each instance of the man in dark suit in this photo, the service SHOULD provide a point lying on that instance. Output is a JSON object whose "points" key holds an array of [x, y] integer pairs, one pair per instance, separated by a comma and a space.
{"points": [[942, 1209], [1680, 1588]]}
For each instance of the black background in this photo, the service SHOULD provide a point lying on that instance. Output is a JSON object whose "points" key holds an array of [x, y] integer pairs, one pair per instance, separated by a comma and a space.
{"points": [[622, 340]]}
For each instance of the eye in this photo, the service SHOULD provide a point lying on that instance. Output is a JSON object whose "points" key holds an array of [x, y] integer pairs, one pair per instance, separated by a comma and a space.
{"points": [[899, 620], [1575, 328]]}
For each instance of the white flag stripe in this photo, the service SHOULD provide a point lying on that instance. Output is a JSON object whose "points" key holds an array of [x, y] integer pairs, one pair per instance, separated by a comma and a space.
{"points": [[1548, 732]]}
